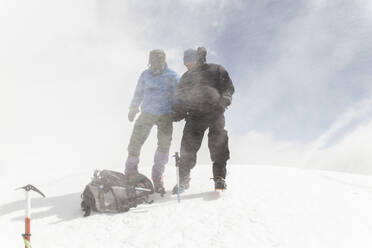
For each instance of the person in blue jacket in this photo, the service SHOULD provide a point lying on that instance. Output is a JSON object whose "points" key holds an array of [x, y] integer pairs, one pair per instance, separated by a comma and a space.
{"points": [[155, 92]]}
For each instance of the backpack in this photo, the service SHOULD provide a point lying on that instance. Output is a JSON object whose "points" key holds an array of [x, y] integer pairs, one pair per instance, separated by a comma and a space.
{"points": [[111, 191]]}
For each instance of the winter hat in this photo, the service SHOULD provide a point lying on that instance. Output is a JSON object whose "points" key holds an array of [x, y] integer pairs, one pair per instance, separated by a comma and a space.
{"points": [[190, 55], [156, 56], [157, 61]]}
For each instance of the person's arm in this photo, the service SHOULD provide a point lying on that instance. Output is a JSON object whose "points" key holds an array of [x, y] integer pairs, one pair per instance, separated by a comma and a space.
{"points": [[226, 87], [178, 110], [175, 82], [137, 99]]}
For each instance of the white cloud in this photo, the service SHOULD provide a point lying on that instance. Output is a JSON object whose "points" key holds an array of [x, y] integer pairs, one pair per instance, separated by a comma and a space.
{"points": [[350, 153], [68, 70]]}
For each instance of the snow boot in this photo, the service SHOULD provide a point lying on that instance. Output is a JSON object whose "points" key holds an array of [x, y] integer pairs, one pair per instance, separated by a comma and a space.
{"points": [[184, 184], [160, 160], [158, 182], [219, 183], [131, 165], [159, 187]]}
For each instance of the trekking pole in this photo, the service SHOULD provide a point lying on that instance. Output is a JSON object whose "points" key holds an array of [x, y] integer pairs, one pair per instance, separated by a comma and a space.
{"points": [[26, 236], [177, 157]]}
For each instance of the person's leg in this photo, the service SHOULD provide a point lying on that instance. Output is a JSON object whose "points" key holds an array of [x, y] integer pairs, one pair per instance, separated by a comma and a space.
{"points": [[165, 130], [218, 146], [141, 131], [193, 133]]}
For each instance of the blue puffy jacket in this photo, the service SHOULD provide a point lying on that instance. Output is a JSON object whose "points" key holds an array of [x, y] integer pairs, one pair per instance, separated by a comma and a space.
{"points": [[156, 92]]}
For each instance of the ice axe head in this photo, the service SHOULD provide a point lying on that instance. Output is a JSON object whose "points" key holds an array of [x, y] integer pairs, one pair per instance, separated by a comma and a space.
{"points": [[29, 187]]}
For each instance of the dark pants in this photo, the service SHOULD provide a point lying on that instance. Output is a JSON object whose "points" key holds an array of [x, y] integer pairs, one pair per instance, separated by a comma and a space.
{"points": [[193, 133], [142, 128]]}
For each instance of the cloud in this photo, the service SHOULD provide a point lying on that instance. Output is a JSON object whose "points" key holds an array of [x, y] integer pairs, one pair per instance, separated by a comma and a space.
{"points": [[296, 69], [301, 70], [351, 154], [345, 146], [66, 87]]}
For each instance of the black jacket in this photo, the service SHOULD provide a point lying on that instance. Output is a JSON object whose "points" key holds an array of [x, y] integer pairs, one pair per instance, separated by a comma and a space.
{"points": [[206, 90]]}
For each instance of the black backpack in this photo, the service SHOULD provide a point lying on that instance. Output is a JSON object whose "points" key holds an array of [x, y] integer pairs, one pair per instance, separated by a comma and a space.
{"points": [[111, 191]]}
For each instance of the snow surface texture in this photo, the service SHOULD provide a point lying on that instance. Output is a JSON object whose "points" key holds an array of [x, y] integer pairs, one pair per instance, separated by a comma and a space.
{"points": [[263, 207]]}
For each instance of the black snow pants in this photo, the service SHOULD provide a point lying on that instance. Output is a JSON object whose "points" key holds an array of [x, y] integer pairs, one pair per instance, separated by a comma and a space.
{"points": [[193, 133]]}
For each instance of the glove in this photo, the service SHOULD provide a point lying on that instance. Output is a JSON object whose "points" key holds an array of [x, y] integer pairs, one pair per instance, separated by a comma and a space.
{"points": [[223, 103], [177, 116], [225, 100], [132, 114]]}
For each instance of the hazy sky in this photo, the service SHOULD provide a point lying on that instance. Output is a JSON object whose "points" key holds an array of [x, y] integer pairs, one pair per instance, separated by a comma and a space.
{"points": [[301, 71], [296, 64]]}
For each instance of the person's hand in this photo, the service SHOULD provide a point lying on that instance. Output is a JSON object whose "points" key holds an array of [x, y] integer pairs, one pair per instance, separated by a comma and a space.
{"points": [[177, 116], [225, 100], [223, 103], [132, 114]]}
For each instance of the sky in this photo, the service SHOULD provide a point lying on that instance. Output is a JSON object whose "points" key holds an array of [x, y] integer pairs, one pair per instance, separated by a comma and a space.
{"points": [[300, 68]]}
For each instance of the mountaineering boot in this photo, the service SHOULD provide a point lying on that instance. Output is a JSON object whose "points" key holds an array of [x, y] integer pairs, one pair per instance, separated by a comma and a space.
{"points": [[131, 169], [131, 165], [184, 184], [219, 183], [160, 160], [158, 183], [159, 187]]}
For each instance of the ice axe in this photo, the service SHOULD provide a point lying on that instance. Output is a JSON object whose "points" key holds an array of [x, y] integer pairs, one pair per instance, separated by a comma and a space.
{"points": [[177, 158], [26, 236]]}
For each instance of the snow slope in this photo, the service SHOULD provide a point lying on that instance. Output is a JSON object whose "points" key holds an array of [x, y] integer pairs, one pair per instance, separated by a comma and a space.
{"points": [[263, 207]]}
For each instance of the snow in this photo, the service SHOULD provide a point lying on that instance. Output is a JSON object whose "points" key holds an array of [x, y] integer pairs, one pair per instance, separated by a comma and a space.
{"points": [[263, 207], [66, 84]]}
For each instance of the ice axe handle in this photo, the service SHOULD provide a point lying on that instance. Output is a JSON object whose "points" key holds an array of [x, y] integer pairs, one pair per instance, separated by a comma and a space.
{"points": [[177, 158]]}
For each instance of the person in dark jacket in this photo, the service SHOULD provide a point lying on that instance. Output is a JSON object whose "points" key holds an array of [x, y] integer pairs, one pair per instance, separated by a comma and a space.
{"points": [[155, 92], [204, 92]]}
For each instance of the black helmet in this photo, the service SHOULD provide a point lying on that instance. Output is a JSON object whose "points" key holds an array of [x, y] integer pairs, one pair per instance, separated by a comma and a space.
{"points": [[190, 55], [198, 55]]}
